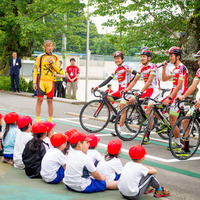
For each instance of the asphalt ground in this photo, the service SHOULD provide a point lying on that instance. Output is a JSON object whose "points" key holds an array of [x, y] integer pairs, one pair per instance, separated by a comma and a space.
{"points": [[181, 178]]}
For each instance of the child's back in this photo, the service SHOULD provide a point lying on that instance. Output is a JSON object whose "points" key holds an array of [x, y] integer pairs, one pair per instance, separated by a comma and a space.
{"points": [[110, 168], [94, 155], [130, 178], [76, 173], [9, 141]]}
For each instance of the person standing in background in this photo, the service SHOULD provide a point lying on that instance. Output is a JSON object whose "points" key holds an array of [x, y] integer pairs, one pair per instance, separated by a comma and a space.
{"points": [[58, 81], [72, 73], [15, 65]]}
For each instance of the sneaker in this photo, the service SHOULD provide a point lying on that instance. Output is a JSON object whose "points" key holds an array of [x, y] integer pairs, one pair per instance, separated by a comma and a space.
{"points": [[175, 147], [162, 193], [161, 128], [146, 140], [150, 190], [112, 119], [183, 153]]}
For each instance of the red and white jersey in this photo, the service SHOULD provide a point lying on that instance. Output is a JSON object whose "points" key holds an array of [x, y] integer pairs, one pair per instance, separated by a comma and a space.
{"points": [[180, 73], [146, 71], [123, 76]]}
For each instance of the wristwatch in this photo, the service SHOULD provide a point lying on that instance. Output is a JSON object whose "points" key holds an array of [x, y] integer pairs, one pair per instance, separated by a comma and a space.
{"points": [[169, 98]]}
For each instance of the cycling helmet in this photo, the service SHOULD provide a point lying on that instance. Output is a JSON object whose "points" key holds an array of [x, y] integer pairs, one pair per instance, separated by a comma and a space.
{"points": [[198, 54], [145, 51], [175, 50], [119, 54]]}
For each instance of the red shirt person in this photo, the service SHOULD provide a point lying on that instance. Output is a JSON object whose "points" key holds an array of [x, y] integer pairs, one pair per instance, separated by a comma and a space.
{"points": [[72, 73]]}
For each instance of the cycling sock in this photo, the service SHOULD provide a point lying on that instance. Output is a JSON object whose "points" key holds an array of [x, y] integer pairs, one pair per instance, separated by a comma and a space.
{"points": [[177, 140], [38, 118], [159, 189], [186, 145], [50, 119], [147, 134]]}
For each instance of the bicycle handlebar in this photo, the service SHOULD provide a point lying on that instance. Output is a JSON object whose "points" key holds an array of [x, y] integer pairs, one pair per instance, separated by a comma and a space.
{"points": [[178, 102]]}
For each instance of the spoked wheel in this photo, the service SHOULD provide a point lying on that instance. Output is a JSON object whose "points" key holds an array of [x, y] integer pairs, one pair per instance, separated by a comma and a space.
{"points": [[149, 127], [132, 125], [94, 116], [188, 129]]}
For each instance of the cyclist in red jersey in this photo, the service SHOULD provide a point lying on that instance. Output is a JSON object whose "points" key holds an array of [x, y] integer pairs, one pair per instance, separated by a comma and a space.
{"points": [[185, 151], [180, 79], [151, 88], [123, 73]]}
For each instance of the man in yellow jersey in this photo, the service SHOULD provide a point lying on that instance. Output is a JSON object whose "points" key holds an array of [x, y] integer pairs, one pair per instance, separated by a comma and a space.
{"points": [[48, 64]]}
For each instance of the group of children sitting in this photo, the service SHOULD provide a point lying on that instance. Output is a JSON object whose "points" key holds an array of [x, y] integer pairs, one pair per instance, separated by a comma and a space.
{"points": [[72, 158]]}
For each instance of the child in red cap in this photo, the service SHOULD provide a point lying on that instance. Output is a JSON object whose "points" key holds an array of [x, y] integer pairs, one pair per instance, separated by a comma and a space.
{"points": [[54, 161], [79, 167], [1, 121], [69, 133], [23, 136], [8, 136], [35, 150], [92, 152], [50, 131], [137, 179], [111, 165]]}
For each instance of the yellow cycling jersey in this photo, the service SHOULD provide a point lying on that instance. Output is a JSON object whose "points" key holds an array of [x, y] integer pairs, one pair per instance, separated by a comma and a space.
{"points": [[62, 72], [46, 69]]}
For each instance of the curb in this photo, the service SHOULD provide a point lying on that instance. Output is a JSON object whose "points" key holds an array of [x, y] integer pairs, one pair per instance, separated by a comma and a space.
{"points": [[56, 99]]}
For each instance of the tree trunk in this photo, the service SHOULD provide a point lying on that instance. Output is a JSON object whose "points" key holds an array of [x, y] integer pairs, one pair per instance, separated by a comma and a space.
{"points": [[191, 45]]}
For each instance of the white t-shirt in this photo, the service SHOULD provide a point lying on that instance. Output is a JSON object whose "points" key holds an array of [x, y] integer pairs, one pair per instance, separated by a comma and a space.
{"points": [[94, 155], [130, 178], [20, 142], [77, 168], [47, 140], [51, 162], [110, 168]]}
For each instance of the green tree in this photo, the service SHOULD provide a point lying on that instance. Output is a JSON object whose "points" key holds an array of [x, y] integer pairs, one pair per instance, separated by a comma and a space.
{"points": [[25, 24], [158, 24]]}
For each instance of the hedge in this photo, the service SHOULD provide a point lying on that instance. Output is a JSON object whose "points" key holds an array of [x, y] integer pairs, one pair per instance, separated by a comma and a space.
{"points": [[5, 84]]}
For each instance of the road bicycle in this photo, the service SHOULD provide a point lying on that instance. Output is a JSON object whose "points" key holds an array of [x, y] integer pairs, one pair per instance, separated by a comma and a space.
{"points": [[188, 127], [95, 115], [136, 118], [159, 110]]}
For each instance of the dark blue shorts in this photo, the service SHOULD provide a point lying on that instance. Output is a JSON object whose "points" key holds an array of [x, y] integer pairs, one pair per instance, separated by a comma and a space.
{"points": [[60, 176], [95, 186], [117, 177], [8, 155]]}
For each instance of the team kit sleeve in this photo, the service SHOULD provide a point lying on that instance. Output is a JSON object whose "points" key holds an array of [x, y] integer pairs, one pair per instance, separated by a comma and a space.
{"points": [[56, 66], [182, 72], [139, 72], [35, 71], [154, 69], [197, 76]]}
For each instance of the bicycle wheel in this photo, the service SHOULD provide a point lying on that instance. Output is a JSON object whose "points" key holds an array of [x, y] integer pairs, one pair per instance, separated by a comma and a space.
{"points": [[94, 116], [149, 127], [194, 137], [132, 125]]}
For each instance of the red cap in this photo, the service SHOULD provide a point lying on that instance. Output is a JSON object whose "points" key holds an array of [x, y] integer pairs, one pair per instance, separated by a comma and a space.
{"points": [[58, 139], [137, 152], [70, 132], [114, 147], [94, 140], [49, 125], [1, 116], [11, 117], [39, 127], [78, 137], [23, 121]]}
